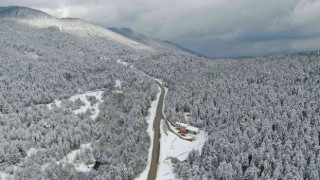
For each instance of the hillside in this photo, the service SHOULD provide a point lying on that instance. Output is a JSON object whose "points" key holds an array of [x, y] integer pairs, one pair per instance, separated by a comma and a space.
{"points": [[76, 101], [47, 60]]}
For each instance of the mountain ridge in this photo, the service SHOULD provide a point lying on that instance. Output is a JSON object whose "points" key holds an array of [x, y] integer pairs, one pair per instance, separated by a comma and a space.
{"points": [[129, 33], [21, 12]]}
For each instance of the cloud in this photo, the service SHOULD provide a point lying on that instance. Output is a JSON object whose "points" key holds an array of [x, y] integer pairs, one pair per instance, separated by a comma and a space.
{"points": [[216, 28]]}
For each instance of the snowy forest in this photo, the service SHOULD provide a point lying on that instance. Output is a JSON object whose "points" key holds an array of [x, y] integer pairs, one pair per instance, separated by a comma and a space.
{"points": [[261, 115]]}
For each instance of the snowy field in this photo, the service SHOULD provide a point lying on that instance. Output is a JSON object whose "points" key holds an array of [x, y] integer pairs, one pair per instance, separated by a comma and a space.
{"points": [[150, 119], [174, 147]]}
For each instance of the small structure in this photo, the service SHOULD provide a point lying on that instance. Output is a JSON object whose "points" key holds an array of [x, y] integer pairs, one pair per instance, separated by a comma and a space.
{"points": [[186, 128], [193, 130], [180, 126]]}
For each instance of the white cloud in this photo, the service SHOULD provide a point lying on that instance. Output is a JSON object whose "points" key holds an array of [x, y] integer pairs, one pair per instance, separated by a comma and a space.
{"points": [[70, 11]]}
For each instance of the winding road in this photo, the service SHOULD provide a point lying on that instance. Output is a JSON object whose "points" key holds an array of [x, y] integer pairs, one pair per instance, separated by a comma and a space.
{"points": [[152, 175]]}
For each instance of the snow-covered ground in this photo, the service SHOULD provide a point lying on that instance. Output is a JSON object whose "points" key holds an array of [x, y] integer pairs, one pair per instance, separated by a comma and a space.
{"points": [[32, 151], [94, 107], [122, 62], [118, 84], [186, 116], [118, 87], [174, 147], [150, 119], [32, 55], [87, 104], [4, 175], [70, 158], [56, 103]]}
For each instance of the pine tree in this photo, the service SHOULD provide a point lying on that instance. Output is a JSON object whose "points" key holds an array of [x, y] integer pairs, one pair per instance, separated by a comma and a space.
{"points": [[6, 108]]}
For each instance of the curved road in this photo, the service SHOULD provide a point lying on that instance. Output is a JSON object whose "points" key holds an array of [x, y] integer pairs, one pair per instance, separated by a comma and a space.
{"points": [[156, 137]]}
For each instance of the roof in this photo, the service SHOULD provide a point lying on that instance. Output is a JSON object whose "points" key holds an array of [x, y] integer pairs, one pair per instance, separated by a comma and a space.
{"points": [[182, 124], [191, 128]]}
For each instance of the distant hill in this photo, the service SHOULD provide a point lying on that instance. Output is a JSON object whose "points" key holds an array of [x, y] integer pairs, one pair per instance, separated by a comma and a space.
{"points": [[183, 48], [22, 12], [129, 33]]}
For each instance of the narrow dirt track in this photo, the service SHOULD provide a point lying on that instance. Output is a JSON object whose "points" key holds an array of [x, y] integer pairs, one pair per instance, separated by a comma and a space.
{"points": [[156, 137]]}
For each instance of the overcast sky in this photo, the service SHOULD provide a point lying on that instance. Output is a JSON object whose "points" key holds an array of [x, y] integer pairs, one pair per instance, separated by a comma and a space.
{"points": [[215, 28]]}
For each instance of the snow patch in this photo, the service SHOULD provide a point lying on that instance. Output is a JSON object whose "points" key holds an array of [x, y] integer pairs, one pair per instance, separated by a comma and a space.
{"points": [[150, 119], [186, 116], [70, 158], [32, 151], [31, 55], [4, 175], [117, 92], [118, 84], [122, 62], [94, 107], [56, 103]]}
